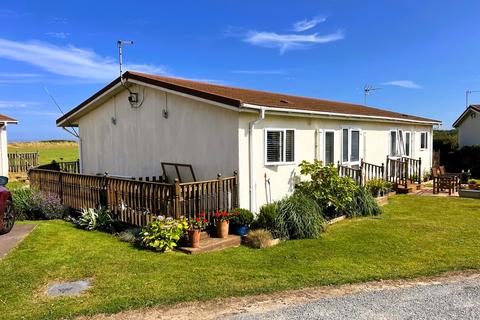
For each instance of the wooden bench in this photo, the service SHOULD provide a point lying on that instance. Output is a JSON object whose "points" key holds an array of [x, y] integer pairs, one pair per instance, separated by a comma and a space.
{"points": [[443, 180]]}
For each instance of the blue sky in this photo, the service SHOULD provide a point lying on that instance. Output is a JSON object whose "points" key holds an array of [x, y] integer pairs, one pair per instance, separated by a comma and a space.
{"points": [[423, 54]]}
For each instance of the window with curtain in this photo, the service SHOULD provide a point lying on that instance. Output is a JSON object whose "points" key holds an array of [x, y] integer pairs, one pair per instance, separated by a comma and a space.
{"points": [[329, 147], [280, 146]]}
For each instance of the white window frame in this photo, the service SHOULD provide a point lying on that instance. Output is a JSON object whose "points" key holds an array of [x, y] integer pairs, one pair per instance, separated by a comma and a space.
{"points": [[284, 162], [324, 139], [426, 140], [400, 143], [405, 143], [360, 145]]}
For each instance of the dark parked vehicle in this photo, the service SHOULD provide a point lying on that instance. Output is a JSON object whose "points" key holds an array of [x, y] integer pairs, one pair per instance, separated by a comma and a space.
{"points": [[7, 214]]}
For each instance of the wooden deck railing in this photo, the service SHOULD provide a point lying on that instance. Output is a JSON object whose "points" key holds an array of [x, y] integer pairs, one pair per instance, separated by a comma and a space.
{"points": [[414, 169], [372, 171], [206, 197], [137, 202], [355, 174], [21, 162]]}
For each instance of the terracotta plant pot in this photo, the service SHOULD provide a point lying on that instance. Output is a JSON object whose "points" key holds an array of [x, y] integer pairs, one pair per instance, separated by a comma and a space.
{"points": [[222, 229], [194, 236]]}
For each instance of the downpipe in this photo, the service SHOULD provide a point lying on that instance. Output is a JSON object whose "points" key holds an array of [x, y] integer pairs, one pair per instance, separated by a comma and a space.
{"points": [[251, 160]]}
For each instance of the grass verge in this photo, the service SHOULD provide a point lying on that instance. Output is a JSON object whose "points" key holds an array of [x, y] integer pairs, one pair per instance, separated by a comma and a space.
{"points": [[416, 236], [48, 151]]}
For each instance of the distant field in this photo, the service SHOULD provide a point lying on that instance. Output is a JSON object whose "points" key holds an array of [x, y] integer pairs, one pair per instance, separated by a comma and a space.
{"points": [[48, 151]]}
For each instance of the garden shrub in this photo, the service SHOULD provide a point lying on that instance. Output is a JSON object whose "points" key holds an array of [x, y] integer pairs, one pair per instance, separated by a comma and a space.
{"points": [[298, 217], [363, 204], [330, 191], [95, 219], [259, 239], [266, 217], [241, 217], [32, 204], [163, 233], [131, 235]]}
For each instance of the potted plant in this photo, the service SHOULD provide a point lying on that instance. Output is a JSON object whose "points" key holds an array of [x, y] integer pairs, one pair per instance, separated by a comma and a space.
{"points": [[241, 220], [197, 225], [472, 184], [221, 219]]}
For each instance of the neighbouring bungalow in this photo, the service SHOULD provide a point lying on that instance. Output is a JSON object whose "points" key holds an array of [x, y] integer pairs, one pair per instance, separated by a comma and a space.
{"points": [[130, 127], [4, 122], [468, 126]]}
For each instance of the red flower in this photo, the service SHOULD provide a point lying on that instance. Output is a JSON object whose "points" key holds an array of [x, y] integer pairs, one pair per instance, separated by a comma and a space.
{"points": [[217, 214], [224, 214], [197, 219], [205, 220], [202, 214]]}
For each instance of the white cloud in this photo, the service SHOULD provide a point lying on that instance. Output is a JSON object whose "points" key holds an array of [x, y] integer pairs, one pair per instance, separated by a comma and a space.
{"points": [[69, 61], [14, 104], [305, 24], [19, 77], [289, 41], [59, 35], [259, 72], [409, 84]]}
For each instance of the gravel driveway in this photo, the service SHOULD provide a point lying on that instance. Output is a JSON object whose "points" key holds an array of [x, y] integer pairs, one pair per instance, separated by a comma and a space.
{"points": [[455, 300]]}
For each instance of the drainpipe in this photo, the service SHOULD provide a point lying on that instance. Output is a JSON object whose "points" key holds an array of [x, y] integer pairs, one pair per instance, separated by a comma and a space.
{"points": [[251, 151]]}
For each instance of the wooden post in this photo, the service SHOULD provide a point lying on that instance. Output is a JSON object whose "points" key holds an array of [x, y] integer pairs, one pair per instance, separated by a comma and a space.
{"points": [[176, 199], [218, 191], [383, 171], [235, 191], [362, 172], [419, 170], [60, 183]]}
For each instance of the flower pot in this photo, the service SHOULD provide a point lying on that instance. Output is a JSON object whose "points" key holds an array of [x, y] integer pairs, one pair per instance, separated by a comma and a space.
{"points": [[222, 229], [239, 229], [194, 236]]}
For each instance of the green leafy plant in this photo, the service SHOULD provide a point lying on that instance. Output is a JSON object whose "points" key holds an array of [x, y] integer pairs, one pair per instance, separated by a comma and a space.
{"points": [[298, 217], [259, 239], [241, 217], [266, 217], [330, 191], [163, 233], [378, 187], [363, 204], [95, 219]]}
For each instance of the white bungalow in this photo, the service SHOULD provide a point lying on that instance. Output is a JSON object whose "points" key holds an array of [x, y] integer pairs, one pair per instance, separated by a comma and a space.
{"points": [[129, 128]]}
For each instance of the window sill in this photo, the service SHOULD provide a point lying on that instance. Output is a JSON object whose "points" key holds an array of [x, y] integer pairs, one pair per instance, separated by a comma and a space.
{"points": [[273, 164]]}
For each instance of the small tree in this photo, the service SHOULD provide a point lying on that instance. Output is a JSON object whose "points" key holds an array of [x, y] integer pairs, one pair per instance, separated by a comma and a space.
{"points": [[331, 192]]}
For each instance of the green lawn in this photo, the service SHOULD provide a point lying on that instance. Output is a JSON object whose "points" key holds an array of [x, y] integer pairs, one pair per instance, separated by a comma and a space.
{"points": [[415, 236], [48, 151]]}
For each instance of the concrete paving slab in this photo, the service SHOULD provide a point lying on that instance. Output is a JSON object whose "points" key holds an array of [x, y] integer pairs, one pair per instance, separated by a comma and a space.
{"points": [[14, 237]]}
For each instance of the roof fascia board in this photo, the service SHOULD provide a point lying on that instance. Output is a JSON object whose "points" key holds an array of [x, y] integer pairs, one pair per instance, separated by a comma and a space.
{"points": [[333, 115], [186, 95], [87, 106], [462, 116]]}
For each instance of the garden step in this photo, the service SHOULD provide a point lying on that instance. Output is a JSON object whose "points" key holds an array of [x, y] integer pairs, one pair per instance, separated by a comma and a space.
{"points": [[208, 244]]}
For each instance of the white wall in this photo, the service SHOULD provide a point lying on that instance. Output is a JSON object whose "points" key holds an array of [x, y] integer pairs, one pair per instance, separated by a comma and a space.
{"points": [[3, 151], [194, 133], [374, 147], [469, 130]]}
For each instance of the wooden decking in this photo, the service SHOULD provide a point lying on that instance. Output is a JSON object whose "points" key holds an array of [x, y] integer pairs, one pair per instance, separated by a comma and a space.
{"points": [[208, 244]]}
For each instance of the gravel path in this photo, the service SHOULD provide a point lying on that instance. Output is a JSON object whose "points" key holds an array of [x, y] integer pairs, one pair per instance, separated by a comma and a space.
{"points": [[451, 300]]}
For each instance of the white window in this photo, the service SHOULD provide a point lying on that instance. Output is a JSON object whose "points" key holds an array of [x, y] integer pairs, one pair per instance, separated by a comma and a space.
{"points": [[393, 143], [408, 143], [423, 140], [400, 143], [279, 146], [351, 146], [329, 147]]}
